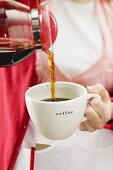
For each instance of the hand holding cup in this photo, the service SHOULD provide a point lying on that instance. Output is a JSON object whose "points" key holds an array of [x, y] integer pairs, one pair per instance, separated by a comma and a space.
{"points": [[98, 112]]}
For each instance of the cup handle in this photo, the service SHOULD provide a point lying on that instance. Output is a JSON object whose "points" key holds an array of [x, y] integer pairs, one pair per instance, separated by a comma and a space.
{"points": [[89, 96]]}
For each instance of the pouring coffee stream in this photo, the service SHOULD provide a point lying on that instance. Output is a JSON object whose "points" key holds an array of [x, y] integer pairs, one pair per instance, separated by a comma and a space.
{"points": [[50, 53]]}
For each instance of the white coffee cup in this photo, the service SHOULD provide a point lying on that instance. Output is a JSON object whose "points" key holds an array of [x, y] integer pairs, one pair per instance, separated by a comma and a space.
{"points": [[57, 120]]}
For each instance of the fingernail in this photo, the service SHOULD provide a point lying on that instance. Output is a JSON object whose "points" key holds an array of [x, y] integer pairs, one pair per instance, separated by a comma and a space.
{"points": [[90, 87]]}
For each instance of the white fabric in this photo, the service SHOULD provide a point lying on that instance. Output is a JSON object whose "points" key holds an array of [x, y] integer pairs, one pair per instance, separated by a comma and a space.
{"points": [[79, 43], [83, 150]]}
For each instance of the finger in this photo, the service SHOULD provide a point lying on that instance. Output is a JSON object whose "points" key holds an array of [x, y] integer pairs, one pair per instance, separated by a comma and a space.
{"points": [[103, 110], [86, 126], [99, 89], [93, 117], [82, 127]]}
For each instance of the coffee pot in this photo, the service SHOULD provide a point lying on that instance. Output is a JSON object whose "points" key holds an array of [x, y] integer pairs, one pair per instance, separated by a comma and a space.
{"points": [[25, 26]]}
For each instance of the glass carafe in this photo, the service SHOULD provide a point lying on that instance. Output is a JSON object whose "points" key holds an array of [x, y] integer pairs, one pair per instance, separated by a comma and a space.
{"points": [[23, 29]]}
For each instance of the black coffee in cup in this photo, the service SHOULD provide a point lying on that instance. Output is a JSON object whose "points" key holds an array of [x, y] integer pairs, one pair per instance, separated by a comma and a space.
{"points": [[56, 99]]}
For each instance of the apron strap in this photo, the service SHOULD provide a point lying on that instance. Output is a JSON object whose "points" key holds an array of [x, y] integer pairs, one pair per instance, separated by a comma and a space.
{"points": [[32, 158]]}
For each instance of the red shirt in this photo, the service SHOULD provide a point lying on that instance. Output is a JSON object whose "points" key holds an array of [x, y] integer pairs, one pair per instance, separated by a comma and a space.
{"points": [[14, 118], [109, 125]]}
